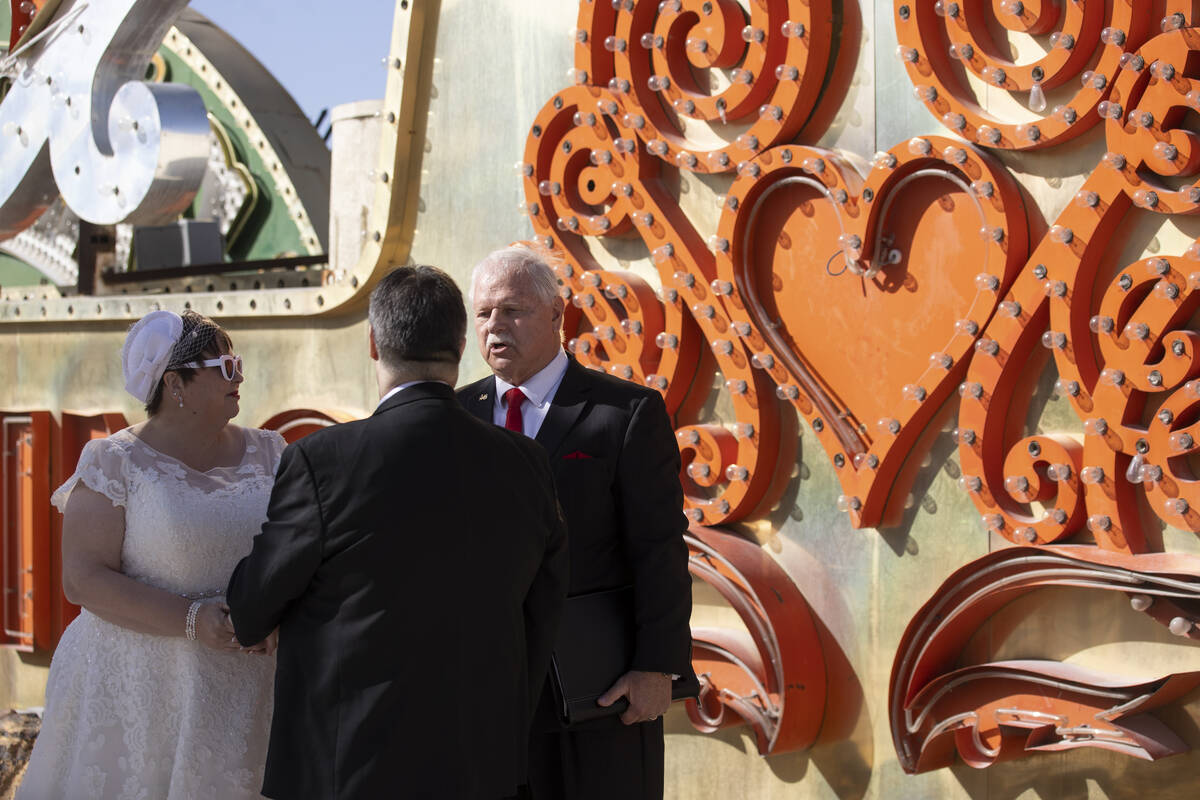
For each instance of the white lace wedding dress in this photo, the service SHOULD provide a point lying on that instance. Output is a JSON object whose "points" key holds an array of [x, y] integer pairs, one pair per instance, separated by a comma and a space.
{"points": [[130, 716]]}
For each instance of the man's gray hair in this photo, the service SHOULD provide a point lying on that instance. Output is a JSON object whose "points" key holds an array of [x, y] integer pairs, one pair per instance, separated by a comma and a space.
{"points": [[524, 262]]}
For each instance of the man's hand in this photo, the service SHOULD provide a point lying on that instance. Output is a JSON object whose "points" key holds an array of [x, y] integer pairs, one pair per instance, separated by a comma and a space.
{"points": [[649, 695], [267, 646]]}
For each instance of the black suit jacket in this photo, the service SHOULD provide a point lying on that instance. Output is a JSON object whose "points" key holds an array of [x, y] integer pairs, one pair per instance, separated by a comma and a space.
{"points": [[616, 466], [415, 563]]}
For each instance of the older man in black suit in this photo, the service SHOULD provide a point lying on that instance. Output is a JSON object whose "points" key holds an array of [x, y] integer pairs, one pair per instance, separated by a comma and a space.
{"points": [[415, 564], [616, 466]]}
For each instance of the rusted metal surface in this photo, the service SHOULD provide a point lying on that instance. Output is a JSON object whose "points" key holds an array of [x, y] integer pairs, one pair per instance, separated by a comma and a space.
{"points": [[18, 732]]}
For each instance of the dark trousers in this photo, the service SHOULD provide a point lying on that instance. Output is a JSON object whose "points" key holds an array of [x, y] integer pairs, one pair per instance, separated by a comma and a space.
{"points": [[608, 763]]}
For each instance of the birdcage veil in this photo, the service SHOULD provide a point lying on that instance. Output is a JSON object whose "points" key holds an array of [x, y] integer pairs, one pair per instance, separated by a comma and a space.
{"points": [[161, 341], [200, 336]]}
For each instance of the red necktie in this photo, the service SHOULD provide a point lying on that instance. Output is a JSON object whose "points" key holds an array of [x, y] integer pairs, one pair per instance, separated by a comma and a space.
{"points": [[512, 418]]}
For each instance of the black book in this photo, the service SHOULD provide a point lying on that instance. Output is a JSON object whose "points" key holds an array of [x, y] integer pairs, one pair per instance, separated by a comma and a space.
{"points": [[595, 647]]}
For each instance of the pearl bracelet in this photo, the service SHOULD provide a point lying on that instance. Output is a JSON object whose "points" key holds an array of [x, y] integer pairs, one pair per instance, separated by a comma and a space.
{"points": [[189, 627]]}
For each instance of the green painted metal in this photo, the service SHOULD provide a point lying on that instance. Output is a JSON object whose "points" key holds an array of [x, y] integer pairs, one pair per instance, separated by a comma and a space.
{"points": [[269, 233], [15, 272]]}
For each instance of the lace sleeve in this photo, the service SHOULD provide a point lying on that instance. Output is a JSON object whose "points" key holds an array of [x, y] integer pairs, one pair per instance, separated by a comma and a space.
{"points": [[273, 444], [100, 469]]}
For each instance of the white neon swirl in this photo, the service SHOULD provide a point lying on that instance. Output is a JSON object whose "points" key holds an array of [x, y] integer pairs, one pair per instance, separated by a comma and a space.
{"points": [[80, 118]]}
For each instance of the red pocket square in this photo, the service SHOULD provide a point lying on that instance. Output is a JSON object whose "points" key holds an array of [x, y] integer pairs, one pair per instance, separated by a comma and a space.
{"points": [[577, 454]]}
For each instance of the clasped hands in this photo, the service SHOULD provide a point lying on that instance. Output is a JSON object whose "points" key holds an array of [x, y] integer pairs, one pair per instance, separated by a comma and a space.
{"points": [[214, 629], [649, 695]]}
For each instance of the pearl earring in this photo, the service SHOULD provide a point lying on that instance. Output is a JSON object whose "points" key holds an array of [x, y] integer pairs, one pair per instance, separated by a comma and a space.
{"points": [[180, 399]]}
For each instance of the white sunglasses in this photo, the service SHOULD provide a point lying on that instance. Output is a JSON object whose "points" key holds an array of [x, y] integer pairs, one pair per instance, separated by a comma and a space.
{"points": [[230, 365]]}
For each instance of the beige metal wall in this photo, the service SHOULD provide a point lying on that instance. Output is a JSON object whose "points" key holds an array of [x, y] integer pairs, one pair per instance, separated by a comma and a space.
{"points": [[495, 65]]}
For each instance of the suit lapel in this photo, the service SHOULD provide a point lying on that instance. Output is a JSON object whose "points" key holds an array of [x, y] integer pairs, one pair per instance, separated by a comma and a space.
{"points": [[481, 400], [568, 404]]}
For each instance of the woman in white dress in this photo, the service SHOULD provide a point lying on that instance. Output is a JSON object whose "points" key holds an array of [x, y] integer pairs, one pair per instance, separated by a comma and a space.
{"points": [[149, 694]]}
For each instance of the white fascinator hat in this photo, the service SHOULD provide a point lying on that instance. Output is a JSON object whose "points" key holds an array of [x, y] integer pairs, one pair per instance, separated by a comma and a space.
{"points": [[147, 351]]}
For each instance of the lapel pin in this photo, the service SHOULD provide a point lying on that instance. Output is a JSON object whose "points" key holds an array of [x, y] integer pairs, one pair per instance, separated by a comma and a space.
{"points": [[483, 396]]}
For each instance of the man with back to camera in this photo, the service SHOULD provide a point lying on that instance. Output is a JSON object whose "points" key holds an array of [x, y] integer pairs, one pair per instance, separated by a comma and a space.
{"points": [[616, 466], [415, 563]]}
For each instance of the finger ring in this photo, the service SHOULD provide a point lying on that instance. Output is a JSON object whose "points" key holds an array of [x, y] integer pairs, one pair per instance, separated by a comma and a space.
{"points": [[654, 718]]}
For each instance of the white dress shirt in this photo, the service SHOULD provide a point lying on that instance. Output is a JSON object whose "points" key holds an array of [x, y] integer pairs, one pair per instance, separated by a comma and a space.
{"points": [[539, 390]]}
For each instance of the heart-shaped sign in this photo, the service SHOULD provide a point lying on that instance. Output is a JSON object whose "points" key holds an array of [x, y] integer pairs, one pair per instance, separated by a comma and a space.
{"points": [[869, 294]]}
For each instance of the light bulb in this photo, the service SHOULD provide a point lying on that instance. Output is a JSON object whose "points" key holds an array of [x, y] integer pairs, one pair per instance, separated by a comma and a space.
{"points": [[1058, 472], [1016, 484], [970, 389], [919, 146]]}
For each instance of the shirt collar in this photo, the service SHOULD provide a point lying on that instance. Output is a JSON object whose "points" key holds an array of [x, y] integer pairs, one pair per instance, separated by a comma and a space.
{"points": [[397, 389], [543, 382]]}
